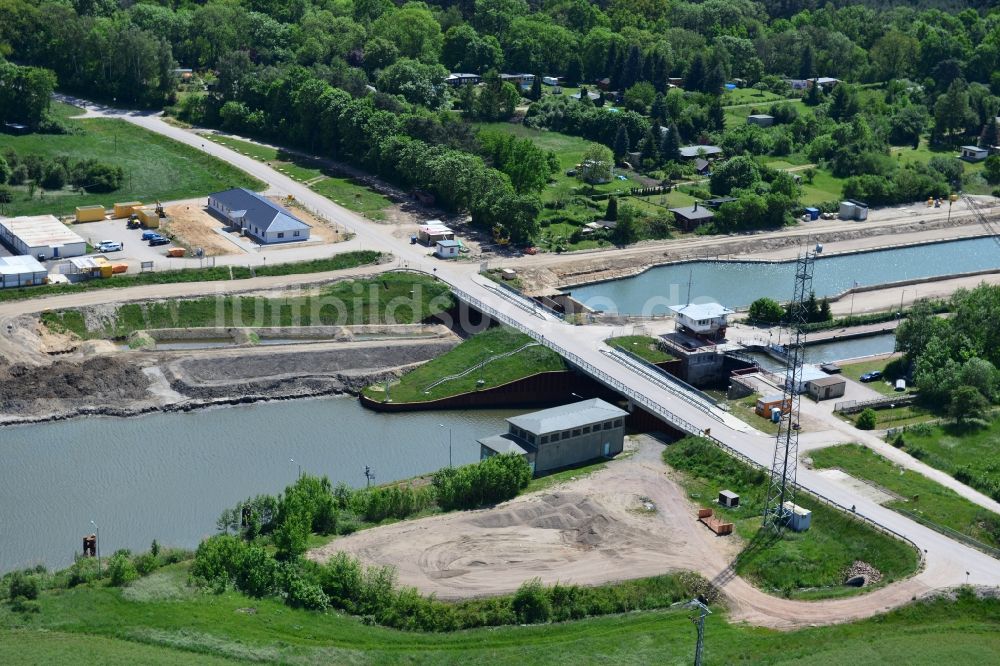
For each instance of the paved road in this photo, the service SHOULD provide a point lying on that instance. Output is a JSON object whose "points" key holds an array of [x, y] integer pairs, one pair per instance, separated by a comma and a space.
{"points": [[946, 564]]}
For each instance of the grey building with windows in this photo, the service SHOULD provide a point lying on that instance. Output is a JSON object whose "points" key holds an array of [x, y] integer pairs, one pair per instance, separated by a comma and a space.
{"points": [[561, 436], [258, 217]]}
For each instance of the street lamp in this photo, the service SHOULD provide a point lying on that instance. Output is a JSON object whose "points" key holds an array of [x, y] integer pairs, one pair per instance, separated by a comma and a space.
{"points": [[98, 535], [482, 366], [441, 425], [292, 460]]}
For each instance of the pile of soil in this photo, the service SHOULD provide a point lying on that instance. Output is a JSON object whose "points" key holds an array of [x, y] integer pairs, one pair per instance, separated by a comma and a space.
{"points": [[100, 380]]}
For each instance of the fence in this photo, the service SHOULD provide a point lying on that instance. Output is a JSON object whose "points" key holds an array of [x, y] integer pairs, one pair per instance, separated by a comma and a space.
{"points": [[855, 406], [950, 533]]}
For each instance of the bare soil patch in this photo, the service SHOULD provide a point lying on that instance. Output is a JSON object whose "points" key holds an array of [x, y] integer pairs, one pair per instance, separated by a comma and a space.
{"points": [[322, 229], [195, 227]]}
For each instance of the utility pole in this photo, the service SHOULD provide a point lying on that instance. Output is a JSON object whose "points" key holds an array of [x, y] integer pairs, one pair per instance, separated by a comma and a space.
{"points": [[441, 425], [97, 531], [369, 476]]}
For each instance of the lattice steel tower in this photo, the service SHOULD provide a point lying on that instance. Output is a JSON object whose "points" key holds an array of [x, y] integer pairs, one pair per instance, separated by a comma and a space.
{"points": [[781, 486]]}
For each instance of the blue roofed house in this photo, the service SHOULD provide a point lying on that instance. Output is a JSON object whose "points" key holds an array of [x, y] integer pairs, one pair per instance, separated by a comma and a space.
{"points": [[258, 217]]}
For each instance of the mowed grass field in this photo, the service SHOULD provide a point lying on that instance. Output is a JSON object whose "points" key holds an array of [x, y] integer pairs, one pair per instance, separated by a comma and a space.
{"points": [[969, 453], [111, 626], [156, 168], [915, 492], [344, 191]]}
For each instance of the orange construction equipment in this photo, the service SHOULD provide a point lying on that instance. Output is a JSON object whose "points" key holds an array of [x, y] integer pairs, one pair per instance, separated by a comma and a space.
{"points": [[176, 252], [119, 268], [707, 517]]}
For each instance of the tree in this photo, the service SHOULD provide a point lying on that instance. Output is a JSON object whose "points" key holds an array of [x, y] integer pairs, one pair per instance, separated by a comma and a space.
{"points": [[952, 111], [611, 213], [814, 96], [670, 148], [416, 82], [574, 71], [622, 143], [843, 102], [496, 99], [867, 420], [740, 172], [968, 405], [907, 124], [626, 229], [991, 169], [414, 31], [597, 165], [695, 78], [640, 97], [894, 55], [535, 93], [651, 144], [766, 311], [806, 65]]}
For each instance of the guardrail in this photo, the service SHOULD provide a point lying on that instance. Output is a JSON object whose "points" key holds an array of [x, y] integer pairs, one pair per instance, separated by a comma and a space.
{"points": [[950, 533], [481, 364], [852, 406], [667, 381]]}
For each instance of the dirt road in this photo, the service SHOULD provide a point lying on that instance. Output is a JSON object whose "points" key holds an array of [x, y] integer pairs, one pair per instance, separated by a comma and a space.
{"points": [[590, 531]]}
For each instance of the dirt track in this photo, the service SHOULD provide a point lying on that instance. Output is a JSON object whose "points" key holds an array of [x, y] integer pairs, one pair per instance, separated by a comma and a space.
{"points": [[590, 531]]}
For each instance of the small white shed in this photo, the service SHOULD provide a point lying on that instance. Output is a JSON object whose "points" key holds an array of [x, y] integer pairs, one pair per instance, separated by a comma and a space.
{"points": [[447, 249], [799, 519]]}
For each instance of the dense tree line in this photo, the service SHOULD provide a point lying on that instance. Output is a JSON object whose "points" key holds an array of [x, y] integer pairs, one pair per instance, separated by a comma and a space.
{"points": [[954, 360]]}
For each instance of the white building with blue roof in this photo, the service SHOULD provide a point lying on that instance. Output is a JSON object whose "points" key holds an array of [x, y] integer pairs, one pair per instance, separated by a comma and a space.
{"points": [[258, 217]]}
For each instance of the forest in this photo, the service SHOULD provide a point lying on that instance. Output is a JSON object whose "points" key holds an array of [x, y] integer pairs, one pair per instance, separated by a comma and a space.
{"points": [[364, 81]]}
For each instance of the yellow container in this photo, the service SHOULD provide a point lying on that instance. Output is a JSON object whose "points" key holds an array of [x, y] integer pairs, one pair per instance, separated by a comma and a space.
{"points": [[106, 270], [125, 209], [93, 213], [148, 217]]}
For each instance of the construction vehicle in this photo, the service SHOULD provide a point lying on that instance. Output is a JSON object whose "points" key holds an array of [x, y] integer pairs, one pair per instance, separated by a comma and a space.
{"points": [[159, 210], [133, 221]]}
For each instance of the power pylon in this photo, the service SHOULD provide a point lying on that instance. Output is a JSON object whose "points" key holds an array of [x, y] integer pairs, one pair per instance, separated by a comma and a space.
{"points": [[781, 486], [699, 621]]}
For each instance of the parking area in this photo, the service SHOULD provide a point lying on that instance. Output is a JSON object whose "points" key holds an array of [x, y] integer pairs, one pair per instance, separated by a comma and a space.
{"points": [[134, 249]]}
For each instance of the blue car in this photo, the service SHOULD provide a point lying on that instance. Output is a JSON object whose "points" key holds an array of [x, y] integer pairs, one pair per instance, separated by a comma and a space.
{"points": [[150, 235], [871, 376]]}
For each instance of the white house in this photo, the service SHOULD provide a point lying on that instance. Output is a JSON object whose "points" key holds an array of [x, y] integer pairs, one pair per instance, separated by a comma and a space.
{"points": [[974, 153], [258, 217], [22, 271], [447, 249], [708, 319], [41, 236]]}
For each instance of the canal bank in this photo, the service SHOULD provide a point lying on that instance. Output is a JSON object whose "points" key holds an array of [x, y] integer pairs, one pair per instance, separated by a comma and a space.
{"points": [[168, 476]]}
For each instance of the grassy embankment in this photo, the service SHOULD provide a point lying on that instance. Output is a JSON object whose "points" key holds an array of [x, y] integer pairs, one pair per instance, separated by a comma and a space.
{"points": [[472, 353], [969, 453], [886, 385], [156, 168], [809, 564], [215, 274], [643, 346], [915, 493], [347, 192], [400, 298], [161, 620]]}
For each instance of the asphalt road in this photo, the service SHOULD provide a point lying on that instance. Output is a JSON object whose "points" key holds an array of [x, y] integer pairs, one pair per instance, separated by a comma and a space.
{"points": [[947, 563]]}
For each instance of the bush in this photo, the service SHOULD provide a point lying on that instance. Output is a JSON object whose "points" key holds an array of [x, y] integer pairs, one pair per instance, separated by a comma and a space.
{"points": [[145, 564], [256, 572], [493, 480], [302, 593], [6, 194], [766, 310], [84, 570], [217, 560], [22, 585], [121, 571], [341, 580], [531, 603], [23, 605], [867, 420]]}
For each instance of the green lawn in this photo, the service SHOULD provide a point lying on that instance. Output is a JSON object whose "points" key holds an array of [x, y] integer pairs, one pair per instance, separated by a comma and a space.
{"points": [[824, 188], [896, 417], [970, 454], [749, 96], [855, 370], [341, 261], [917, 493], [643, 346], [106, 627], [744, 409], [156, 168], [472, 353], [344, 191], [809, 564], [737, 115], [400, 298]]}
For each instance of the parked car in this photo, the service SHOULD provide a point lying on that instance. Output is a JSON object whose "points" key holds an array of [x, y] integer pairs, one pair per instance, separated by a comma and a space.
{"points": [[150, 235], [109, 246], [159, 240], [871, 376]]}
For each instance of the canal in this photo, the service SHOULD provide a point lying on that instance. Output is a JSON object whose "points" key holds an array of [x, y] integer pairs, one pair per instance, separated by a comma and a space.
{"points": [[169, 476], [838, 350], [739, 283]]}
